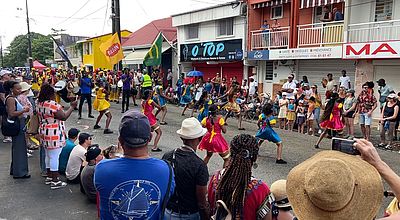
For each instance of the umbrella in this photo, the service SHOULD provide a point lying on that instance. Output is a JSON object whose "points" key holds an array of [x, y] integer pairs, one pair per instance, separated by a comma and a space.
{"points": [[195, 73]]}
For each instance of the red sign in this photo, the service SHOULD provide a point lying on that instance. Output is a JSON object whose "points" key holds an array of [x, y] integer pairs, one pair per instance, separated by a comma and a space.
{"points": [[113, 49], [390, 49]]}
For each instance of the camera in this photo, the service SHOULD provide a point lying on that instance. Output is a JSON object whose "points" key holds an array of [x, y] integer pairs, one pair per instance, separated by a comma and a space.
{"points": [[345, 146]]}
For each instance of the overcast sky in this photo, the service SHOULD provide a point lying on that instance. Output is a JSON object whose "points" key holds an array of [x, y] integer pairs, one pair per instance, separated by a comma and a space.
{"points": [[86, 17]]}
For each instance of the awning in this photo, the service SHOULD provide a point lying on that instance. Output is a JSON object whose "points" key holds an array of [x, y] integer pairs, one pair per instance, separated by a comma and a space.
{"points": [[315, 3], [270, 3], [137, 56]]}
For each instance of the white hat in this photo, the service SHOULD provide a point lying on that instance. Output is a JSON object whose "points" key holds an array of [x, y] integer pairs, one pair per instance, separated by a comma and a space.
{"points": [[24, 86], [392, 96], [191, 129], [4, 72], [284, 93]]}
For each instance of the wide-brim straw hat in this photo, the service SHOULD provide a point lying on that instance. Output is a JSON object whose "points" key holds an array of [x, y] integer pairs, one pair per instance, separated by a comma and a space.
{"points": [[335, 186], [191, 129], [278, 189]]}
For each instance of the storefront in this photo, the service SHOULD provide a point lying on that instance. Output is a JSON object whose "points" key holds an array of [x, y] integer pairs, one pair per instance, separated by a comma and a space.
{"points": [[224, 57]]}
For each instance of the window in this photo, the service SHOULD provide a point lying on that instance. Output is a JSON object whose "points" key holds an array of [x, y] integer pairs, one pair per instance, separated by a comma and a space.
{"points": [[277, 12], [269, 71], [225, 27], [383, 10], [192, 31], [87, 48]]}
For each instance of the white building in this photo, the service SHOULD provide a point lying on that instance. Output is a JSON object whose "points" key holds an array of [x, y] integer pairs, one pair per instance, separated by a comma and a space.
{"points": [[212, 40]]}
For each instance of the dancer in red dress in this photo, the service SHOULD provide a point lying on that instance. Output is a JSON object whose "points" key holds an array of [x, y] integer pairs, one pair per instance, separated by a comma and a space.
{"points": [[147, 108], [213, 141]]}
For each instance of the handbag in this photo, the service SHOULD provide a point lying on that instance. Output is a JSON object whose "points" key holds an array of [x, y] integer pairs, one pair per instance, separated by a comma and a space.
{"points": [[10, 127], [33, 124]]}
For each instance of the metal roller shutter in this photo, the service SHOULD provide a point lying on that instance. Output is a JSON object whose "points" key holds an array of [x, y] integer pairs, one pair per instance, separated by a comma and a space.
{"points": [[315, 70]]}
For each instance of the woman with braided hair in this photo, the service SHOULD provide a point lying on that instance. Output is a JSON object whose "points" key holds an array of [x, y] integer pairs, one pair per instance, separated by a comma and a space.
{"points": [[213, 141], [245, 196]]}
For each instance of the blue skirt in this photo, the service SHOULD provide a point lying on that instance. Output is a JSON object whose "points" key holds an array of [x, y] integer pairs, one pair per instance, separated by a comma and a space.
{"points": [[186, 100], [160, 100], [267, 133]]}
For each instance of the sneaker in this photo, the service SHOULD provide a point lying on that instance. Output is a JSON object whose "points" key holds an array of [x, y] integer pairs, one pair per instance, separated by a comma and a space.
{"points": [[381, 145], [29, 155], [319, 131], [57, 185], [280, 161], [30, 151], [7, 140], [108, 131], [48, 180], [90, 116], [96, 127], [388, 147], [316, 146]]}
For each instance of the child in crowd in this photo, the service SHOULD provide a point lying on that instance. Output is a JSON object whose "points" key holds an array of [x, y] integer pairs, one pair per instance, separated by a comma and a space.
{"points": [[147, 108], [213, 141], [301, 116], [266, 132], [283, 104], [310, 116], [291, 115]]}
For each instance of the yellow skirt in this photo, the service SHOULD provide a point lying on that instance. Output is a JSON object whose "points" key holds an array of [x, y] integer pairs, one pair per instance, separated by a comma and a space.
{"points": [[291, 116], [232, 106], [101, 104]]}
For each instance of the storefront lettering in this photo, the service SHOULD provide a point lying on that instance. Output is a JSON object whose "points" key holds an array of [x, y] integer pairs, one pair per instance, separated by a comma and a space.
{"points": [[208, 49], [366, 50]]}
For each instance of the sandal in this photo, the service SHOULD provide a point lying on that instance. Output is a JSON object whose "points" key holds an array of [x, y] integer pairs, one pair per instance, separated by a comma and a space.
{"points": [[163, 123]]}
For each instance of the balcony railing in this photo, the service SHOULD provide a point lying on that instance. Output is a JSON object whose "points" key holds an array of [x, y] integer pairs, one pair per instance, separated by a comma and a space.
{"points": [[320, 34], [374, 31], [270, 39]]}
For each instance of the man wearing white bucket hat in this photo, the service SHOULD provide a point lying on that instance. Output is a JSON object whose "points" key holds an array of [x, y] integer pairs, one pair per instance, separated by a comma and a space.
{"points": [[191, 175]]}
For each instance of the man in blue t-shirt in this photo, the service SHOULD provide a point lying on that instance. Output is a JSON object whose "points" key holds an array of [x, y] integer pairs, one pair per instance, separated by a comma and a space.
{"points": [[66, 151], [86, 94], [135, 186]]}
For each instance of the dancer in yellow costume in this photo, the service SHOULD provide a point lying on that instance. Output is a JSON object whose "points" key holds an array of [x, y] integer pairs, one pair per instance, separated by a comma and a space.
{"points": [[101, 105]]}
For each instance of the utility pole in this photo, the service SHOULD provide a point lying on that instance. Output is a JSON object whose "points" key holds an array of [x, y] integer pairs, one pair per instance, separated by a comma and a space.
{"points": [[116, 25], [29, 37]]}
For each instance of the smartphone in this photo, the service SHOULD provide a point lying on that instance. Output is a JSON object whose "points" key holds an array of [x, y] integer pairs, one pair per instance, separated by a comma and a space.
{"points": [[345, 146]]}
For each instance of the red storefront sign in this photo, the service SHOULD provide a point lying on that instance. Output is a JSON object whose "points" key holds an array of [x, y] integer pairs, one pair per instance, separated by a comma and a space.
{"points": [[372, 50]]}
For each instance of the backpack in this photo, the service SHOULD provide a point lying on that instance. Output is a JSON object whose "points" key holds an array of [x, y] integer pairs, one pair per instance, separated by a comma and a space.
{"points": [[222, 213], [10, 127]]}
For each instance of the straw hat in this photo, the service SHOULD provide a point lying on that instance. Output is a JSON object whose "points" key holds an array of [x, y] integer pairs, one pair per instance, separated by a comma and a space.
{"points": [[191, 129], [334, 186], [278, 189], [24, 86]]}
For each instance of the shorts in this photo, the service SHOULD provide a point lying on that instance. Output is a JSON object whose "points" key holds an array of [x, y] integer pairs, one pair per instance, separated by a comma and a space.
{"points": [[301, 120], [51, 160], [134, 91], [365, 120], [349, 114]]}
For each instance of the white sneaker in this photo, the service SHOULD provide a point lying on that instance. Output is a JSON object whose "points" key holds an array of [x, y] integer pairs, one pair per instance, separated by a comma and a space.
{"points": [[29, 155], [7, 140], [48, 180], [30, 151], [57, 185], [319, 131]]}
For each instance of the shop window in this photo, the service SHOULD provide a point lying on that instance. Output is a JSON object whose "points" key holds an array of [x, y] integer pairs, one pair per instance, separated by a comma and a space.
{"points": [[192, 31], [225, 27], [277, 12], [383, 10], [269, 71]]}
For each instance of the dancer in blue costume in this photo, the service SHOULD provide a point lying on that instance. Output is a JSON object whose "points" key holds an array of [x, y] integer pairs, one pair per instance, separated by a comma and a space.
{"points": [[187, 97]]}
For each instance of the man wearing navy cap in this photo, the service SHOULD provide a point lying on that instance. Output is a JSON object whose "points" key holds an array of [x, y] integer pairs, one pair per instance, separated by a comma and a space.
{"points": [[136, 186]]}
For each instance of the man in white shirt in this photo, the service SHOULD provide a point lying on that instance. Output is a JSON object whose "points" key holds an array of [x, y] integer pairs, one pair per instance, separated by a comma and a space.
{"points": [[252, 87], [344, 80], [77, 158], [289, 87]]}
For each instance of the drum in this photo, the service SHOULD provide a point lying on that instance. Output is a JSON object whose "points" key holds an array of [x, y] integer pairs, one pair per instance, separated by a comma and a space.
{"points": [[120, 84], [61, 88], [60, 85]]}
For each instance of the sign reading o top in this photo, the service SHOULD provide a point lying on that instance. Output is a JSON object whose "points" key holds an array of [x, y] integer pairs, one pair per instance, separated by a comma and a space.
{"points": [[228, 50]]}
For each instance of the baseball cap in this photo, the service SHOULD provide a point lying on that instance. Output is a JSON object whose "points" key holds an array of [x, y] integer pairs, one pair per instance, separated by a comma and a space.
{"points": [[4, 72], [92, 152], [134, 129], [83, 137], [73, 133], [381, 81]]}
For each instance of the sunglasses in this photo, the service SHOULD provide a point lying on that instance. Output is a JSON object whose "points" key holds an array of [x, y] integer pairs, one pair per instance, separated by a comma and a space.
{"points": [[365, 87]]}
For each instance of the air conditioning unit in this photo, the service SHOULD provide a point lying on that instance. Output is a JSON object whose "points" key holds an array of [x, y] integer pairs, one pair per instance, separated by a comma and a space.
{"points": [[286, 63]]}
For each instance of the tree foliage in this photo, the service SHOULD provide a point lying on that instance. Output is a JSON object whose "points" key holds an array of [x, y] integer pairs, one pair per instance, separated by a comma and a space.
{"points": [[42, 48]]}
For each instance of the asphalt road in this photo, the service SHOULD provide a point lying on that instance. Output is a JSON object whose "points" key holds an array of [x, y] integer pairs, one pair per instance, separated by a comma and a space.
{"points": [[32, 199]]}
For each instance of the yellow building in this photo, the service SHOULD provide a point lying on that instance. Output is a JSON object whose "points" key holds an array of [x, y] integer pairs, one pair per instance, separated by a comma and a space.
{"points": [[92, 56]]}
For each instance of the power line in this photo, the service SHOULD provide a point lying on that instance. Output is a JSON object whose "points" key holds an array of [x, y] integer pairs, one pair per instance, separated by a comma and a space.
{"points": [[76, 12], [97, 10], [147, 15], [105, 17]]}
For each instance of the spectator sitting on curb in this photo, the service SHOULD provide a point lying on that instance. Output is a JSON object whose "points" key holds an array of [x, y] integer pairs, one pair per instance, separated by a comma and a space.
{"points": [[66, 151], [93, 156], [76, 160]]}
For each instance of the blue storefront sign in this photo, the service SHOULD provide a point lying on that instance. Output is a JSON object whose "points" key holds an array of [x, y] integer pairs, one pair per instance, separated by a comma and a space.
{"points": [[258, 55], [228, 50]]}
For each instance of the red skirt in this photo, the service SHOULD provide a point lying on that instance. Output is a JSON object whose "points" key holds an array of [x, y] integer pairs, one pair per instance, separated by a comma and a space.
{"points": [[217, 144]]}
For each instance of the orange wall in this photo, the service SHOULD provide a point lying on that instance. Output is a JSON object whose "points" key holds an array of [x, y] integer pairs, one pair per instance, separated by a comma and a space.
{"points": [[306, 16]]}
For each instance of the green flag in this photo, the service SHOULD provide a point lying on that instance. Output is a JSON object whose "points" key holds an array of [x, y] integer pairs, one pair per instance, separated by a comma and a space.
{"points": [[153, 57]]}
